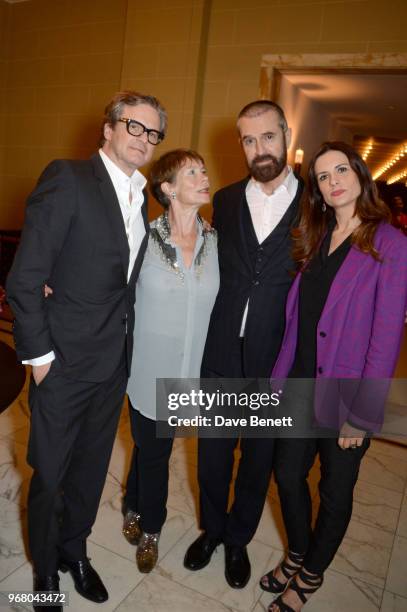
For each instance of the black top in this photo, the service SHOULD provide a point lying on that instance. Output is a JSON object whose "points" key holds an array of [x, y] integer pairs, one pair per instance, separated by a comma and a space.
{"points": [[315, 284]]}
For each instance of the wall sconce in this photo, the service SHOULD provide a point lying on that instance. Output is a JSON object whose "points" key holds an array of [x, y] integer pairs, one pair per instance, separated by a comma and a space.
{"points": [[298, 159]]}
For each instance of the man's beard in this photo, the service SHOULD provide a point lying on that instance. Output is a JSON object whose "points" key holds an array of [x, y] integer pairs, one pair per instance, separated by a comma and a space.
{"points": [[268, 172]]}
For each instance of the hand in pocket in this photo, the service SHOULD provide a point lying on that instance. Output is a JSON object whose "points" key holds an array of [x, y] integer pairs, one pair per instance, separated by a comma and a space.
{"points": [[40, 372]]}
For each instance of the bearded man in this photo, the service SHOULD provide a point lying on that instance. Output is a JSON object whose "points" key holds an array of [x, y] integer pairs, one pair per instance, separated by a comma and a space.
{"points": [[253, 219]]}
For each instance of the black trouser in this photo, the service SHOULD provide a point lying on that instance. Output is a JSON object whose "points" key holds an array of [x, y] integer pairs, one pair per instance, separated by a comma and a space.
{"points": [[215, 472], [215, 469], [73, 425], [147, 481], [339, 472]]}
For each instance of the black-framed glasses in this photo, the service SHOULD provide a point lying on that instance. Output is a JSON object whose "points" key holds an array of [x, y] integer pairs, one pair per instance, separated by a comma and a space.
{"points": [[135, 128]]}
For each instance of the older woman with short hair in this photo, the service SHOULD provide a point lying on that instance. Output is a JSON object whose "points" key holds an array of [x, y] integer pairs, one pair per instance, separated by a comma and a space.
{"points": [[175, 293]]}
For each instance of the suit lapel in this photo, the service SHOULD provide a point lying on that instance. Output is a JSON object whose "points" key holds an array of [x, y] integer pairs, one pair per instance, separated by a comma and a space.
{"points": [[283, 227], [112, 209], [143, 244], [352, 267], [144, 211], [280, 234], [240, 229]]}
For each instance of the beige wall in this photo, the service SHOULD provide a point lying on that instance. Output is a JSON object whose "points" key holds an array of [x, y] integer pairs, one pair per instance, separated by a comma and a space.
{"points": [[241, 31], [4, 29], [64, 62], [162, 56], [201, 58]]}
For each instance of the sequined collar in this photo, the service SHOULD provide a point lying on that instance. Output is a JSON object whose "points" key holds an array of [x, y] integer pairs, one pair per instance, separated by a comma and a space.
{"points": [[160, 235]]}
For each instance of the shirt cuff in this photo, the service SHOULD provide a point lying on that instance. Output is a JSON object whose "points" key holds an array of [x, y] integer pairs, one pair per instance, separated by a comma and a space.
{"points": [[38, 361]]}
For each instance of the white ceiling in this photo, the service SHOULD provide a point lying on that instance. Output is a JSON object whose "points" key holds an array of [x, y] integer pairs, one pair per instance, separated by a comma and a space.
{"points": [[369, 105]]}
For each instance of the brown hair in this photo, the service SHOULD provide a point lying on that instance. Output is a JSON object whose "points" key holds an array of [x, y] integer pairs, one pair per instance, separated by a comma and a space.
{"points": [[259, 107], [114, 109], [313, 223], [165, 170]]}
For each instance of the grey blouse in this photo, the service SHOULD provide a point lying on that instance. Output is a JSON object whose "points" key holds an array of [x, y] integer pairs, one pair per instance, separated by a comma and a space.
{"points": [[172, 311]]}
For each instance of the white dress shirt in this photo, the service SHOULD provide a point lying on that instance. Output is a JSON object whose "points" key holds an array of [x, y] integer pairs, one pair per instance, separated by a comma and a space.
{"points": [[267, 211], [132, 218]]}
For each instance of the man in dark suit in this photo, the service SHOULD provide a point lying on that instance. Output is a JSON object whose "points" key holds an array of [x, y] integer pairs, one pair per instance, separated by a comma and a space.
{"points": [[85, 235], [253, 219]]}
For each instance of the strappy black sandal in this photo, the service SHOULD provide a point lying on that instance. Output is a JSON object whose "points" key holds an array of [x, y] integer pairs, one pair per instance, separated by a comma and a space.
{"points": [[313, 584], [289, 570]]}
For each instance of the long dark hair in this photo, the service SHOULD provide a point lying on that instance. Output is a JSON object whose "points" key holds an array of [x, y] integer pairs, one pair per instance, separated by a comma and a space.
{"points": [[370, 209]]}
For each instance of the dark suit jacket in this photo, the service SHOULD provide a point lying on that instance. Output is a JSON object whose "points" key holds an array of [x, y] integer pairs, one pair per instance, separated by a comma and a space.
{"points": [[74, 239], [263, 279]]}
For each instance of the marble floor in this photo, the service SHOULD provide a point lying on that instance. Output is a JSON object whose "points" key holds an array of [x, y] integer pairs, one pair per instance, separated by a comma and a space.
{"points": [[367, 575]]}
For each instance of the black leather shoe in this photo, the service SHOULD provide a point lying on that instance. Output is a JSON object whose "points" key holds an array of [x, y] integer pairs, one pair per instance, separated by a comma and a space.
{"points": [[87, 580], [50, 584], [200, 552], [237, 566]]}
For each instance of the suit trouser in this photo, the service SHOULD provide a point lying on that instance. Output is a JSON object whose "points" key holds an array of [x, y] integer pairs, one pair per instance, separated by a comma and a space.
{"points": [[215, 470], [339, 472], [73, 426], [147, 481]]}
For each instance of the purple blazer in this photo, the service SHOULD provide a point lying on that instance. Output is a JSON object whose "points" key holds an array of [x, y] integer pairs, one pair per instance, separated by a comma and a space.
{"points": [[360, 330]]}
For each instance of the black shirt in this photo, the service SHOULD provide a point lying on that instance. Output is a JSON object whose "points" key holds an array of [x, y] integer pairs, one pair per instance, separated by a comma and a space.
{"points": [[315, 284]]}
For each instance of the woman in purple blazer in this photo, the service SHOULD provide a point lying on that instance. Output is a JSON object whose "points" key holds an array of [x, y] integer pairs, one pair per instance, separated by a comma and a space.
{"points": [[344, 320]]}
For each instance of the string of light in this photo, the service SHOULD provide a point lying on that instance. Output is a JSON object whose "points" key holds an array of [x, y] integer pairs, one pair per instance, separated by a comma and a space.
{"points": [[367, 149], [396, 177], [394, 160]]}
